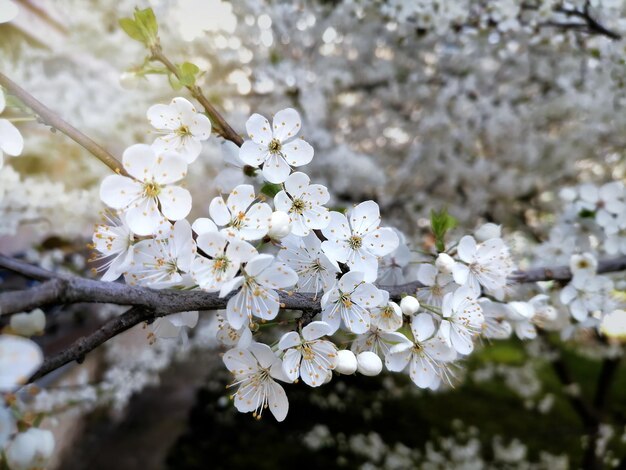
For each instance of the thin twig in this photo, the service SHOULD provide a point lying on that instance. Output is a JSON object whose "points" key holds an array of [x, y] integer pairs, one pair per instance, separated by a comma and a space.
{"points": [[51, 119]]}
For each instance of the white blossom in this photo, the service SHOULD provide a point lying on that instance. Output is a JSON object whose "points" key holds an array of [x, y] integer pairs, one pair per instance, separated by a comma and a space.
{"points": [[164, 261], [304, 202], [257, 297], [614, 325], [487, 264], [387, 315], [225, 258], [30, 450], [11, 141], [182, 128], [462, 319], [239, 217], [350, 301], [115, 242], [305, 256], [307, 355], [275, 147], [19, 359], [28, 324], [255, 369], [436, 285], [148, 195], [358, 240], [584, 295]]}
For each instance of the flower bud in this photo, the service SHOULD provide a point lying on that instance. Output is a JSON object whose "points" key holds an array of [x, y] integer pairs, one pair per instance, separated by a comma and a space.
{"points": [[487, 231], [409, 305], [369, 363], [444, 263], [346, 362], [280, 225], [30, 449], [28, 324], [614, 325]]}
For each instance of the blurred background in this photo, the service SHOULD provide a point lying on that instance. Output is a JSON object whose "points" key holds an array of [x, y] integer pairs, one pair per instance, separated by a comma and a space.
{"points": [[488, 108]]}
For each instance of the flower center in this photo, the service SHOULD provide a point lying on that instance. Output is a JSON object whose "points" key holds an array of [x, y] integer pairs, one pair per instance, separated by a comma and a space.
{"points": [[298, 206], [307, 352], [221, 264], [387, 312], [345, 300], [275, 146], [237, 221], [355, 242], [183, 131], [151, 189]]}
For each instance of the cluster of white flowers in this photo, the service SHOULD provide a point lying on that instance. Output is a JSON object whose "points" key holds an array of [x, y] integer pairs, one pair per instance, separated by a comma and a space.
{"points": [[249, 251]]}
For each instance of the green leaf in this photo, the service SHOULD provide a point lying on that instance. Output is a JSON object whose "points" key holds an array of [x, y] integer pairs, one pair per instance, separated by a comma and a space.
{"points": [[130, 27], [176, 85], [146, 20], [187, 73], [441, 222], [271, 189]]}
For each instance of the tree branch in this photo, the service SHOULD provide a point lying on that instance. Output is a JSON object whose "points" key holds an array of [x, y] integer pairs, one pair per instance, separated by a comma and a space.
{"points": [[50, 118], [221, 126], [73, 289]]}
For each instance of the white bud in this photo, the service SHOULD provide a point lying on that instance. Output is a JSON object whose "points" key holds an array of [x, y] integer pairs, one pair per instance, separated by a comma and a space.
{"points": [[487, 232], [444, 263], [409, 305], [346, 362], [614, 325], [280, 225], [28, 324], [31, 449], [369, 363], [129, 80]]}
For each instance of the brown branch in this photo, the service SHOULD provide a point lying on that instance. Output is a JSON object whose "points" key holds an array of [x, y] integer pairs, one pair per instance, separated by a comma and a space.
{"points": [[219, 123], [73, 289], [151, 303], [51, 119]]}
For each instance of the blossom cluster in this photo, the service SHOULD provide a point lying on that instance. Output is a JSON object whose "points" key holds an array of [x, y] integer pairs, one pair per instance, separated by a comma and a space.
{"points": [[251, 248]]}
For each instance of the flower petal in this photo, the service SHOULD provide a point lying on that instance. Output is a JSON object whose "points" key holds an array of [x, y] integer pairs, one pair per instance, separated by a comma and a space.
{"points": [[259, 129], [240, 199], [11, 141], [175, 202], [119, 192], [276, 170], [286, 124], [169, 168], [219, 212], [252, 153], [139, 161], [298, 152]]}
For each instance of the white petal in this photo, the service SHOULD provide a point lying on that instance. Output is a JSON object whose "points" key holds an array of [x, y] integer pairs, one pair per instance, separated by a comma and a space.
{"points": [[381, 242], [278, 402], [175, 202], [297, 184], [240, 361], [422, 326], [145, 218], [259, 130], [467, 248], [169, 168], [19, 359], [398, 357], [163, 116], [203, 225], [277, 276], [264, 354], [315, 330], [139, 161], [365, 218], [289, 340], [298, 152], [257, 264], [338, 228], [350, 281], [427, 274], [212, 243], [336, 250], [286, 124], [219, 212], [291, 363], [11, 141], [253, 154], [240, 199], [276, 170], [118, 191]]}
